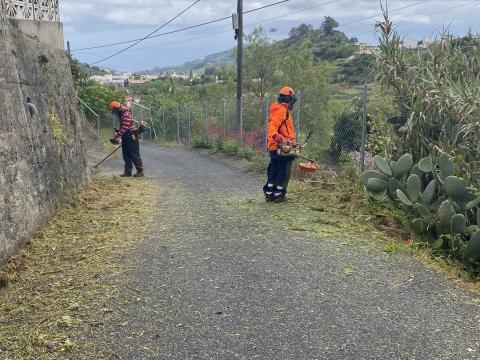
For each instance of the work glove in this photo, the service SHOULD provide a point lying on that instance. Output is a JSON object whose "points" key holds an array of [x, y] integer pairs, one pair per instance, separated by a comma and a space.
{"points": [[114, 138]]}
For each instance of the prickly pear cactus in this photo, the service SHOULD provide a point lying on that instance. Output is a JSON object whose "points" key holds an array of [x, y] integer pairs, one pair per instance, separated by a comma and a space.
{"points": [[438, 202]]}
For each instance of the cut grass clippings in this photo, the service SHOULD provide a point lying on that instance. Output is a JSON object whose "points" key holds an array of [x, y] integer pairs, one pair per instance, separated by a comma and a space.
{"points": [[60, 284], [344, 205]]}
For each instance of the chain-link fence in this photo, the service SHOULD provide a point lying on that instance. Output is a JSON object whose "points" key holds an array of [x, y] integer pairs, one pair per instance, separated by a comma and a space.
{"points": [[339, 124]]}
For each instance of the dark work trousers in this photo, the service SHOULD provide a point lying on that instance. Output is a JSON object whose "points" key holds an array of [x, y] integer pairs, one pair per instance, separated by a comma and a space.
{"points": [[131, 153], [279, 170]]}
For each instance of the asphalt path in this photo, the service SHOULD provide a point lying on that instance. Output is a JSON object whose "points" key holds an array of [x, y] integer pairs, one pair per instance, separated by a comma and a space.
{"points": [[221, 277]]}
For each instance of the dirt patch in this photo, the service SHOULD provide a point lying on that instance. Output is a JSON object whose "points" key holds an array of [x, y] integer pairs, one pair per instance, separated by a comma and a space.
{"points": [[61, 283]]}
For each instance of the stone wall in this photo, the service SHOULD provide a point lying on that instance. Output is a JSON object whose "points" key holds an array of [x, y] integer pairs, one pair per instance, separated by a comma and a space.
{"points": [[42, 156]]}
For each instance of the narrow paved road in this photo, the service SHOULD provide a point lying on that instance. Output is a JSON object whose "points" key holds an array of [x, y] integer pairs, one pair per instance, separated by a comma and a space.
{"points": [[220, 278]]}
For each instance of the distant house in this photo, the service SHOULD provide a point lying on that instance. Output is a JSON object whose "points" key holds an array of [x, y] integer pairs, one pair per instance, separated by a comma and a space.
{"points": [[136, 81], [109, 79], [366, 49]]}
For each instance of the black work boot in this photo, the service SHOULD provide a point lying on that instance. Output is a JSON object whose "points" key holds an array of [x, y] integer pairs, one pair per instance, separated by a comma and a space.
{"points": [[269, 192], [279, 195], [126, 174], [139, 173]]}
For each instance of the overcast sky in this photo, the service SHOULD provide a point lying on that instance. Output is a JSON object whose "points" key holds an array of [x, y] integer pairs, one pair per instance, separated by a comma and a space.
{"points": [[97, 22]]}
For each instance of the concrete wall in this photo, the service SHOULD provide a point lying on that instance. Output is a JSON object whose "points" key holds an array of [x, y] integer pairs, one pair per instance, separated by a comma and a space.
{"points": [[2, 10], [42, 157], [47, 32]]}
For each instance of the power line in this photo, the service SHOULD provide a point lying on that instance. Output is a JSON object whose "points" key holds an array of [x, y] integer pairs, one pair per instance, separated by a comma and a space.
{"points": [[310, 8], [180, 30], [223, 32], [293, 13], [429, 14], [374, 16], [153, 32]]}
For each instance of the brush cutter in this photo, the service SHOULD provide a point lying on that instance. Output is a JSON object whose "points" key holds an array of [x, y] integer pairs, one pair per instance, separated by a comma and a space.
{"points": [[288, 150], [108, 156]]}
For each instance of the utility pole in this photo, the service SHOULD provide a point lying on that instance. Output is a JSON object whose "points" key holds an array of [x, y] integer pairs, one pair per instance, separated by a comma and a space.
{"points": [[238, 26]]}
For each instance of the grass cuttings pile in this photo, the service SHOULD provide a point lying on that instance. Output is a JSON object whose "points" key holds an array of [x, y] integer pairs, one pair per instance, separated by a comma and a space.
{"points": [[59, 285], [343, 207]]}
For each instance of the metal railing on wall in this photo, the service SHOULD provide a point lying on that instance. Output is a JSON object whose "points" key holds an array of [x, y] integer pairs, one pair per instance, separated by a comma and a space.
{"points": [[43, 10]]}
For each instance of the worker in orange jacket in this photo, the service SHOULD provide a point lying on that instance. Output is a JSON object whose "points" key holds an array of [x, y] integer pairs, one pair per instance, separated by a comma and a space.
{"points": [[281, 133]]}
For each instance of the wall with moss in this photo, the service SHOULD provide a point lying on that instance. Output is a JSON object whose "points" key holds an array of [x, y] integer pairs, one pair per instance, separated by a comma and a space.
{"points": [[42, 155]]}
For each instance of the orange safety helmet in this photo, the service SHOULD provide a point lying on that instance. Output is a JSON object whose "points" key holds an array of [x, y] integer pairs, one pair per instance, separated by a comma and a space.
{"points": [[114, 105], [287, 91]]}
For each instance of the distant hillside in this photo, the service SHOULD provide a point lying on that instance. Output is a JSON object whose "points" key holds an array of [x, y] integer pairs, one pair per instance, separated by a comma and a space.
{"points": [[199, 66], [93, 70], [325, 43]]}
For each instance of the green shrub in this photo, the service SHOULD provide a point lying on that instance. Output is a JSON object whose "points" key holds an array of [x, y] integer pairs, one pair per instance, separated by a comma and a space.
{"points": [[436, 93], [230, 147], [347, 135], [246, 153], [219, 144], [202, 142]]}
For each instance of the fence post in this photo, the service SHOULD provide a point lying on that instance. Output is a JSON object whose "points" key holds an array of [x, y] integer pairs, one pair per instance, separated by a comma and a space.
{"points": [[151, 123], [206, 117], [364, 128], [178, 123], [153, 126], [164, 127], [224, 120], [267, 109], [260, 109], [189, 123], [241, 121], [297, 130]]}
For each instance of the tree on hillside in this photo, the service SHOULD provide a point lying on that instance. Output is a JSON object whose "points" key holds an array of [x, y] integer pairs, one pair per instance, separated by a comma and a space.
{"points": [[98, 97], [210, 70], [298, 66], [225, 73], [300, 31], [79, 75], [261, 59], [328, 25]]}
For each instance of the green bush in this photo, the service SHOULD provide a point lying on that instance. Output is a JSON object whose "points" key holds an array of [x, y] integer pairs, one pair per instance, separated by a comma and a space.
{"points": [[347, 135], [202, 142], [219, 144], [246, 153], [230, 147]]}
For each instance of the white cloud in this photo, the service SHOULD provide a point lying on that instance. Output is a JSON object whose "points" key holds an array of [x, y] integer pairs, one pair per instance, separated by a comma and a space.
{"points": [[94, 22]]}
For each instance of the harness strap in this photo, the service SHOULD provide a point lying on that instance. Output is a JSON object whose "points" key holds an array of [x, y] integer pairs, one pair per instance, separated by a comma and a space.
{"points": [[284, 123]]}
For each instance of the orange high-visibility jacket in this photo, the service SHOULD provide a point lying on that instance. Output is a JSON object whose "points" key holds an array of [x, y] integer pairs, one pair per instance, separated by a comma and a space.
{"points": [[280, 121]]}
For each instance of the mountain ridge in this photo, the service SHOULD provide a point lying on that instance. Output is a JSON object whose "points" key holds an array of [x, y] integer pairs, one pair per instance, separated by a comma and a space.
{"points": [[198, 66]]}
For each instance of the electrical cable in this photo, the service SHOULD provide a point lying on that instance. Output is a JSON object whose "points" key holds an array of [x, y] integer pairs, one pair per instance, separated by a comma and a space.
{"points": [[429, 14], [182, 29], [278, 17], [310, 8], [219, 33], [153, 32], [374, 16]]}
